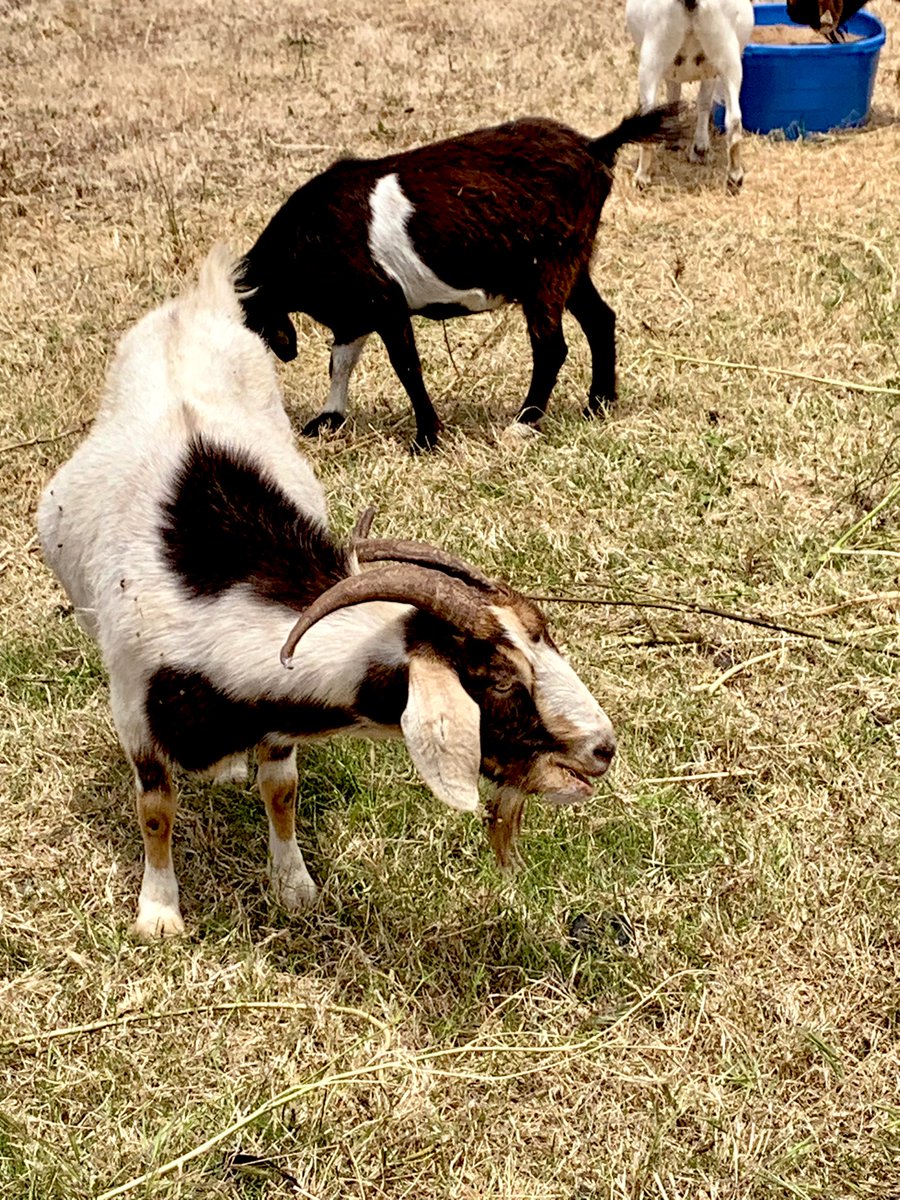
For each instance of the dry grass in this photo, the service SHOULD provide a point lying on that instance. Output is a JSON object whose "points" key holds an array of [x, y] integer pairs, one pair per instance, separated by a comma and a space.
{"points": [[748, 1046]]}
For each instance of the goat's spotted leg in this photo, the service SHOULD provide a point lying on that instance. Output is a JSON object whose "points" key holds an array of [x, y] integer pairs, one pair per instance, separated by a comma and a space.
{"points": [[158, 911], [598, 321], [291, 883], [344, 357], [398, 338]]}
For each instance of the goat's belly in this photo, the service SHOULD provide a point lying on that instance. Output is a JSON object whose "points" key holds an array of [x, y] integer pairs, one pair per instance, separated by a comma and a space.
{"points": [[443, 312], [691, 63], [197, 724]]}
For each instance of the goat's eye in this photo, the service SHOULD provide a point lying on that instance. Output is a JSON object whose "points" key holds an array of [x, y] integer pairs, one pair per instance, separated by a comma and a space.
{"points": [[502, 686]]}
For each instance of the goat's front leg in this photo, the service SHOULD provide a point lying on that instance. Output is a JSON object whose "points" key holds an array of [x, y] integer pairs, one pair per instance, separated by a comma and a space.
{"points": [[400, 342], [344, 357], [158, 912], [291, 883]]}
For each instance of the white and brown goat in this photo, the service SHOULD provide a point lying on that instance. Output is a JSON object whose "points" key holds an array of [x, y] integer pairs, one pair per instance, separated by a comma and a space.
{"points": [[501, 215], [682, 41], [190, 534]]}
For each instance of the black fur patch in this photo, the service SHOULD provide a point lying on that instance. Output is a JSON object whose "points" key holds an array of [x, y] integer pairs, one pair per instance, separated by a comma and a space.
{"points": [[690, 5], [228, 523], [196, 724], [151, 773]]}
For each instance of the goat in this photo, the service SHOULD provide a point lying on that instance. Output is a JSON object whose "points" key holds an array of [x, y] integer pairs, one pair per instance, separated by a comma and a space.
{"points": [[686, 40], [827, 16], [189, 533], [500, 215]]}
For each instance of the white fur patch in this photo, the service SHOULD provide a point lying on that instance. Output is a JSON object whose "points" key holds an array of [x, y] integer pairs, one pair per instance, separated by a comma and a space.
{"points": [[567, 708], [392, 249], [158, 911]]}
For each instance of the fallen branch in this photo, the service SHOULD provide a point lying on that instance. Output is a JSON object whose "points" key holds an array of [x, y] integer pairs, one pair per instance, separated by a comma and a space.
{"points": [[682, 606], [847, 384], [50, 1035], [45, 441]]}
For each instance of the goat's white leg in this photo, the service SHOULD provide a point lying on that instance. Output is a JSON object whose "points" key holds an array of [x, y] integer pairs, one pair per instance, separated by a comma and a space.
{"points": [[344, 357], [658, 50], [722, 41], [649, 78], [697, 152], [158, 912], [734, 130], [291, 883]]}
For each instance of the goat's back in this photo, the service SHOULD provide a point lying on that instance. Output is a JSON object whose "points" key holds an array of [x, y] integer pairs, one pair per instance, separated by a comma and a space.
{"points": [[187, 370]]}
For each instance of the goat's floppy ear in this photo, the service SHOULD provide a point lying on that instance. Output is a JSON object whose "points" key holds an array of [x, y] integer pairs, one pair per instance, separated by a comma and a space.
{"points": [[279, 334], [274, 327], [442, 728]]}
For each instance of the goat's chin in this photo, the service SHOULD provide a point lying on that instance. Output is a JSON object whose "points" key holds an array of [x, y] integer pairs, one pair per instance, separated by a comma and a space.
{"points": [[557, 784]]}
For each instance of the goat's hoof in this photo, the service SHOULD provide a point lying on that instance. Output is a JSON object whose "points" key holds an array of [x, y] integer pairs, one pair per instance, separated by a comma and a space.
{"points": [[697, 154], [294, 891], [155, 921], [518, 432], [598, 407], [734, 185], [424, 443], [325, 420], [641, 182]]}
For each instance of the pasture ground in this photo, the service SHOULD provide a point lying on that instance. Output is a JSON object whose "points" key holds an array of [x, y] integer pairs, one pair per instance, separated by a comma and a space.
{"points": [[432, 1030]]}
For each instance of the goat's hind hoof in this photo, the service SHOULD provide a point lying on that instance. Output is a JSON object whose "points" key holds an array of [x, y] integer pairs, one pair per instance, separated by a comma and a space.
{"points": [[734, 186], [597, 408], [424, 443], [325, 420], [697, 154]]}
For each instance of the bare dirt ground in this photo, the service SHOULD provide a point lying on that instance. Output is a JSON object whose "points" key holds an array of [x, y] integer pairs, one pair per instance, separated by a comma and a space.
{"points": [[432, 1030]]}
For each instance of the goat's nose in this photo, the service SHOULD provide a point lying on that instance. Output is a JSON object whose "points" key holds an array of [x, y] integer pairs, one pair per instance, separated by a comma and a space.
{"points": [[603, 752]]}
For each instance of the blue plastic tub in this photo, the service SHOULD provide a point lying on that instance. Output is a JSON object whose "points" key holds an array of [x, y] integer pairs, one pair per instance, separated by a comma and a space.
{"points": [[808, 89]]}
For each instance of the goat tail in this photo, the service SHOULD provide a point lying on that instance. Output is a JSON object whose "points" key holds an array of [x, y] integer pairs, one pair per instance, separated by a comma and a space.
{"points": [[663, 124], [216, 288]]}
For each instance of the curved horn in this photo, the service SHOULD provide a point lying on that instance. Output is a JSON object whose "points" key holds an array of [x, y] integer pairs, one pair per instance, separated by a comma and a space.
{"points": [[363, 524], [421, 554], [431, 590]]}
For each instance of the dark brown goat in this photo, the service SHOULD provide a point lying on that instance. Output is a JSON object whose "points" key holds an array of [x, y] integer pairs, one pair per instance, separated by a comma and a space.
{"points": [[826, 15], [500, 215]]}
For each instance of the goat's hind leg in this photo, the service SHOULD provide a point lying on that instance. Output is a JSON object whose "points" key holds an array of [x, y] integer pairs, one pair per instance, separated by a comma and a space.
{"points": [[344, 357], [158, 914], [700, 146], [291, 883], [598, 321], [548, 350]]}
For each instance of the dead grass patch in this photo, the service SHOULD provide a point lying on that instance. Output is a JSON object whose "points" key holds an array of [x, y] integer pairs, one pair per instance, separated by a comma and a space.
{"points": [[744, 1043]]}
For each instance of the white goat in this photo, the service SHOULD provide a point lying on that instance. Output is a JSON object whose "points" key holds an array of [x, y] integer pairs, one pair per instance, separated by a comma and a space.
{"points": [[189, 534], [681, 41]]}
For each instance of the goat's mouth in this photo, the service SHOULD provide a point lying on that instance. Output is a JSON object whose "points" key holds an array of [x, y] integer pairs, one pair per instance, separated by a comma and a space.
{"points": [[575, 786], [561, 782]]}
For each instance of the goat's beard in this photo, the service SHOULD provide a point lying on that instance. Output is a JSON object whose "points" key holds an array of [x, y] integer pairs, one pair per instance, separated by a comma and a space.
{"points": [[553, 781], [503, 822]]}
